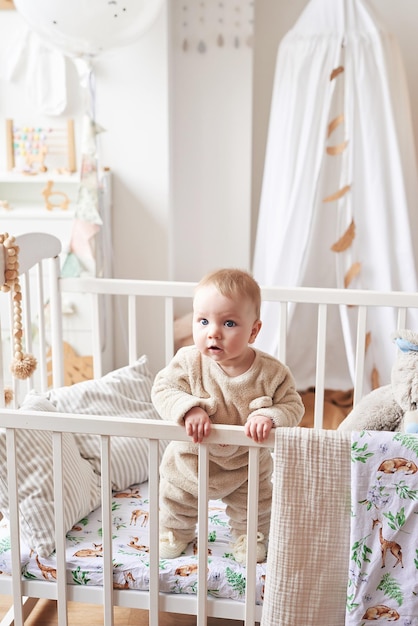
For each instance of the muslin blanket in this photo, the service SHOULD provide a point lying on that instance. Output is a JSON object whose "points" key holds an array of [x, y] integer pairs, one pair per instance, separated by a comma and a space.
{"points": [[306, 577], [383, 576]]}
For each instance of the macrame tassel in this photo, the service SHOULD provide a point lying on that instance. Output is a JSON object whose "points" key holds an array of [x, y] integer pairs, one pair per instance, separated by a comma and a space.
{"points": [[23, 365]]}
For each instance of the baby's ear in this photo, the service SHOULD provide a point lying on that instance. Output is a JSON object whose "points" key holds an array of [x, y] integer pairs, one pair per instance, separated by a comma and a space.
{"points": [[254, 331]]}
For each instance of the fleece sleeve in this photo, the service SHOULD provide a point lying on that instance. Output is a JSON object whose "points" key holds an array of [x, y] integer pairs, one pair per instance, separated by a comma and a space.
{"points": [[172, 395], [284, 406]]}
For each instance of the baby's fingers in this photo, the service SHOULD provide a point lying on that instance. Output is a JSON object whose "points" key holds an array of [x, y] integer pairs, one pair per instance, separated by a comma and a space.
{"points": [[258, 430], [197, 431]]}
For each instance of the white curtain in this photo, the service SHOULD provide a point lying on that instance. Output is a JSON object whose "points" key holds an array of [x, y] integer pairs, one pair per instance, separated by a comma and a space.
{"points": [[340, 170]]}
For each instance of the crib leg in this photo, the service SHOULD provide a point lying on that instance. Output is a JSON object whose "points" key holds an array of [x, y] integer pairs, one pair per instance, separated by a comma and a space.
{"points": [[28, 604]]}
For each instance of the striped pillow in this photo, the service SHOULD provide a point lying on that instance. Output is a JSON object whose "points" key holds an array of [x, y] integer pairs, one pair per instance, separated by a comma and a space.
{"points": [[81, 490], [125, 392]]}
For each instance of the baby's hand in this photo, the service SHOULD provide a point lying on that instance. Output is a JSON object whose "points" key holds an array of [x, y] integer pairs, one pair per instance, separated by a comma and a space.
{"points": [[258, 427], [197, 423]]}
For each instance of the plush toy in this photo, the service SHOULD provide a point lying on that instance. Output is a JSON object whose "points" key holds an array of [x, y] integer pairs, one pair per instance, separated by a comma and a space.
{"points": [[394, 406]]}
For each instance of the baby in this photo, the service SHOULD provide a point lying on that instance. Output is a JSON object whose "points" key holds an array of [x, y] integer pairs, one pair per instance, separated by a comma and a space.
{"points": [[221, 379]]}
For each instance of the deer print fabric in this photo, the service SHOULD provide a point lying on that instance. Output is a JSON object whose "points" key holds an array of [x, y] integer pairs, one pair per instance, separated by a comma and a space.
{"points": [[383, 568], [130, 517]]}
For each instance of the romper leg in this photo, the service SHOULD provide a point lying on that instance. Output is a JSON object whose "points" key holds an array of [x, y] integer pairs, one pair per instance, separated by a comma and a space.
{"points": [[178, 494], [236, 501]]}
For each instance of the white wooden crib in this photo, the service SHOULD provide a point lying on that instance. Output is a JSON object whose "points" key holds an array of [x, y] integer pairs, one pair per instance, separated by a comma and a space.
{"points": [[40, 280]]}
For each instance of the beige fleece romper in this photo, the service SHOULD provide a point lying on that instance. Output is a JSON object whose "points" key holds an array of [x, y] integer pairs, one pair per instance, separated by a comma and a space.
{"points": [[192, 379]]}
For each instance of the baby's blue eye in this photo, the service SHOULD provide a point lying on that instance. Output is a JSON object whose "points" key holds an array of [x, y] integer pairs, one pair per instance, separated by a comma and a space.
{"points": [[230, 324], [204, 322]]}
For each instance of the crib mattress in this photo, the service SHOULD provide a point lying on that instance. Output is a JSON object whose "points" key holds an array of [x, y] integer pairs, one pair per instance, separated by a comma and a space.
{"points": [[226, 577]]}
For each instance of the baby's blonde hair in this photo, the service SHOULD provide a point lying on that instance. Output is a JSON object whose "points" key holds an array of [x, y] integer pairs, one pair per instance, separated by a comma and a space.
{"points": [[232, 283]]}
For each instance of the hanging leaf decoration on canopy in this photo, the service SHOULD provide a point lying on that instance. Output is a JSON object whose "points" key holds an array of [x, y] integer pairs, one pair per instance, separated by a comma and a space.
{"points": [[354, 271], [338, 194], [336, 72], [346, 239], [335, 123]]}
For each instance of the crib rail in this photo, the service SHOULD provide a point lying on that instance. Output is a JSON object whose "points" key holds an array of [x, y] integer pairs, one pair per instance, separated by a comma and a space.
{"points": [[359, 303], [154, 601], [134, 293]]}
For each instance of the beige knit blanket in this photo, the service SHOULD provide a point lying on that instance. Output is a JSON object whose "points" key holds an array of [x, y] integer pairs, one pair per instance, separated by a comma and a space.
{"points": [[308, 556]]}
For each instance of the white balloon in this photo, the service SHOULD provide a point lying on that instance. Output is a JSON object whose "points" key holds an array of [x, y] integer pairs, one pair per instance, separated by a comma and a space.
{"points": [[88, 27]]}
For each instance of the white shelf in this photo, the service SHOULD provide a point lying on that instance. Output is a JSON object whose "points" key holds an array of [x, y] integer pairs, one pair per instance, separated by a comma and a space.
{"points": [[36, 212], [44, 177]]}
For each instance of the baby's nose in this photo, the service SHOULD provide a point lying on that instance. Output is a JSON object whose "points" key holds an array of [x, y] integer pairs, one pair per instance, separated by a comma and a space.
{"points": [[214, 330]]}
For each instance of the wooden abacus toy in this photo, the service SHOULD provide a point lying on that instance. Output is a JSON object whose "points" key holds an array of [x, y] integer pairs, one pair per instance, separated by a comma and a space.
{"points": [[29, 147]]}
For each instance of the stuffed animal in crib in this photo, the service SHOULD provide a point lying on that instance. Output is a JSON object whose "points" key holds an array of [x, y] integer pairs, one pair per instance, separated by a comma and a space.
{"points": [[394, 406]]}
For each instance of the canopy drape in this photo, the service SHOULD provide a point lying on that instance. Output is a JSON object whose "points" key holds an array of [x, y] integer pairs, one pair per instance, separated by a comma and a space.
{"points": [[339, 198]]}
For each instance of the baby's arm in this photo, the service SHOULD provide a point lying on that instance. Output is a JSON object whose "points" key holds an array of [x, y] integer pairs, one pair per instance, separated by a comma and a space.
{"points": [[173, 393], [258, 427], [284, 407], [197, 423]]}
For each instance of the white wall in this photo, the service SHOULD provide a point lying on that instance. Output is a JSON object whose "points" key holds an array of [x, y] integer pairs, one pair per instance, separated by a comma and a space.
{"points": [[211, 113], [132, 105]]}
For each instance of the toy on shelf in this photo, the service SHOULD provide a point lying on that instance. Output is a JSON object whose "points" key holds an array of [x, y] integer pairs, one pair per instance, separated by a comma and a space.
{"points": [[32, 149], [48, 191]]}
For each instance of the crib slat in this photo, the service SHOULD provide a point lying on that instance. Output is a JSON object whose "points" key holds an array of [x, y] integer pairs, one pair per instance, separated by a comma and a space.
{"points": [[14, 523], [202, 539], [153, 523], [25, 284], [252, 527], [60, 529], [169, 329], [360, 354], [283, 315], [132, 335], [97, 352], [320, 366], [41, 329], [57, 348], [106, 496], [401, 318]]}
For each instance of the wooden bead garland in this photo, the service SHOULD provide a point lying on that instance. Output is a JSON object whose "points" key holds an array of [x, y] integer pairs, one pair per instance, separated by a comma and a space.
{"points": [[23, 365]]}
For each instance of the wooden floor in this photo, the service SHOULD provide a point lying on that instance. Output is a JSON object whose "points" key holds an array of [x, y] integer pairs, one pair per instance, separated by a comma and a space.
{"points": [[45, 614]]}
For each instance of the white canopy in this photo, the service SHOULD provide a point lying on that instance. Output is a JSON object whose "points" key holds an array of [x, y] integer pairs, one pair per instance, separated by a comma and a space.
{"points": [[340, 160]]}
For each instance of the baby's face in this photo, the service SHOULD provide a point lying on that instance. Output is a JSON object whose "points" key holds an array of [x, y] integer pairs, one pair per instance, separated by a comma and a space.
{"points": [[223, 327]]}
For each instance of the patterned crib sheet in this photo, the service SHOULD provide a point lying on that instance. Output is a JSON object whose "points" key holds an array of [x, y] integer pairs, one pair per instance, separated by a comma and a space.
{"points": [[226, 578], [382, 579]]}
